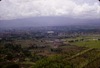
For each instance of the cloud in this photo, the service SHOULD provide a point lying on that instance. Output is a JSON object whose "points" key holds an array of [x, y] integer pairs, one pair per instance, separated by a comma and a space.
{"points": [[13, 9]]}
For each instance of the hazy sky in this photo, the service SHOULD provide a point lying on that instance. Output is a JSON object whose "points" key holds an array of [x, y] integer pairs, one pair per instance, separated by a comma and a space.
{"points": [[14, 9]]}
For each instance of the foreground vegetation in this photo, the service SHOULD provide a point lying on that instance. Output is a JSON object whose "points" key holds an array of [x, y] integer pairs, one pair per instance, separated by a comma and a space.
{"points": [[64, 56]]}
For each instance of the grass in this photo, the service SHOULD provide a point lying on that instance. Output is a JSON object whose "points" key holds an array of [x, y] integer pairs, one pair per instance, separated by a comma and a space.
{"points": [[91, 43], [30, 63]]}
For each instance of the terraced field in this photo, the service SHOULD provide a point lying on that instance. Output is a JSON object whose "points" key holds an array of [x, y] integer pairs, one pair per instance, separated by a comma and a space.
{"points": [[84, 58]]}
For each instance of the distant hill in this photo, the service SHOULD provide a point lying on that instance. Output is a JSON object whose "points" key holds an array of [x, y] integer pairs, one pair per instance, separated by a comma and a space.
{"points": [[48, 21]]}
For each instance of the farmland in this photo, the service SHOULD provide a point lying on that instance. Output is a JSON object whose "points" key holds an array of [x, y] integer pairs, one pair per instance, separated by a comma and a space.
{"points": [[91, 42]]}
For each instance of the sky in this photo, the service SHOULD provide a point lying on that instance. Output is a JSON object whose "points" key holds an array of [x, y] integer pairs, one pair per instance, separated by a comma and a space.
{"points": [[19, 9]]}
